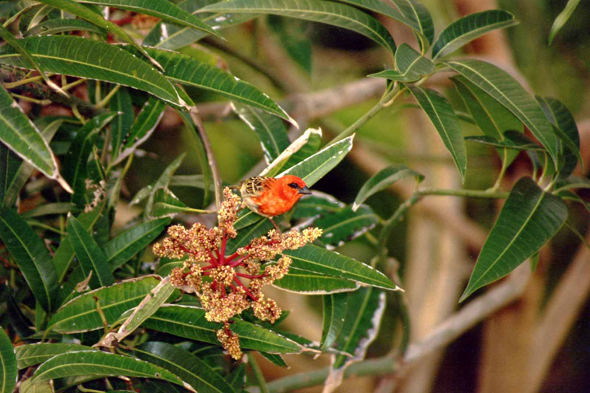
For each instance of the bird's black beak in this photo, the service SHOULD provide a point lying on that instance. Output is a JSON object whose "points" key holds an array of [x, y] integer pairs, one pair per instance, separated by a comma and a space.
{"points": [[304, 191]]}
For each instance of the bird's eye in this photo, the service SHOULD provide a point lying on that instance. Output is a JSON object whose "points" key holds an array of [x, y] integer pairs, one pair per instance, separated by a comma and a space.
{"points": [[293, 185]]}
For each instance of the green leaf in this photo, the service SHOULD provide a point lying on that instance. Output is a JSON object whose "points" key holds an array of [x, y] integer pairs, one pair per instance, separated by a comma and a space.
{"points": [[85, 58], [90, 255], [512, 140], [365, 309], [172, 37], [49, 209], [65, 253], [81, 314], [572, 182], [97, 364], [310, 170], [562, 18], [186, 70], [316, 205], [412, 14], [444, 119], [506, 90], [162, 182], [319, 260], [469, 28], [163, 10], [189, 322], [275, 359], [270, 131], [14, 172], [8, 370], [22, 137], [187, 366], [382, 180], [345, 225], [334, 14], [294, 37], [31, 256], [166, 204], [143, 127], [301, 148], [334, 310], [528, 220], [567, 131], [310, 283], [120, 104], [246, 235], [33, 354], [396, 76], [126, 245], [56, 26], [408, 61], [96, 18]]}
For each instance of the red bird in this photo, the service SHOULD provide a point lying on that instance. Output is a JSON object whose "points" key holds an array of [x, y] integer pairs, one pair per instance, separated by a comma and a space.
{"points": [[270, 196]]}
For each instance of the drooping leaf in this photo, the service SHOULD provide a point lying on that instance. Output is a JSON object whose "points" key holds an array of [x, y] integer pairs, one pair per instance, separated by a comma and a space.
{"points": [[8, 370], [163, 10], [408, 61], [301, 148], [311, 283], [22, 137], [56, 26], [319, 260], [567, 131], [293, 36], [382, 180], [310, 170], [20, 323], [562, 18], [33, 354], [506, 90], [395, 75], [31, 256], [345, 225], [187, 366], [85, 58], [189, 322], [81, 314], [90, 255], [444, 119], [125, 245], [529, 219], [572, 182], [335, 306], [411, 13], [469, 28], [335, 14], [162, 182], [270, 131], [97, 364], [316, 205], [275, 359], [121, 105], [512, 140]]}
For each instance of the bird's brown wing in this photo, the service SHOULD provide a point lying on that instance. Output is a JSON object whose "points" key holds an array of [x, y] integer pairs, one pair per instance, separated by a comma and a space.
{"points": [[254, 186]]}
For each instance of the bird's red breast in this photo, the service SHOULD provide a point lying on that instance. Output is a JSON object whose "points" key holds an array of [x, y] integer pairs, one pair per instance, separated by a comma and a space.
{"points": [[271, 197]]}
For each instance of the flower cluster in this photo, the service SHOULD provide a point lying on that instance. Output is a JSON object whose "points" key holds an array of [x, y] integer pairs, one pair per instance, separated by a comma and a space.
{"points": [[227, 285]]}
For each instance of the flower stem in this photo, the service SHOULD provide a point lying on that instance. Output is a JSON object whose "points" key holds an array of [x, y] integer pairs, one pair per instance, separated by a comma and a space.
{"points": [[237, 280]]}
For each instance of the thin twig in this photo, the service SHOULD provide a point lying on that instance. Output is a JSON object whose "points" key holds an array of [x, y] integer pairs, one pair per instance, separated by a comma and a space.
{"points": [[194, 113]]}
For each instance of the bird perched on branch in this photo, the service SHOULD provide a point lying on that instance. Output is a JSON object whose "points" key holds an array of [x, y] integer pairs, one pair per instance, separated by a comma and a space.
{"points": [[270, 196]]}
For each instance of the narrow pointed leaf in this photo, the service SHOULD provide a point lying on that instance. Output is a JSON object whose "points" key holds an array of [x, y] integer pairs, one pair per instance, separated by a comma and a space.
{"points": [[270, 131], [189, 322], [80, 314], [90, 255], [97, 364], [512, 140], [335, 14], [410, 13], [311, 283], [127, 244], [409, 61], [310, 170], [301, 148], [163, 180], [316, 205], [164, 10], [382, 180], [444, 119], [469, 28], [8, 370], [572, 182], [529, 219], [335, 306], [120, 104], [395, 75], [33, 354], [345, 225], [85, 58], [319, 260], [506, 90], [562, 18], [56, 26], [22, 137], [187, 366], [275, 359], [31, 256]]}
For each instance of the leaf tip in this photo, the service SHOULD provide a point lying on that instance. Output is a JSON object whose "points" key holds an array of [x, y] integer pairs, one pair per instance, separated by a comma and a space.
{"points": [[355, 206]]}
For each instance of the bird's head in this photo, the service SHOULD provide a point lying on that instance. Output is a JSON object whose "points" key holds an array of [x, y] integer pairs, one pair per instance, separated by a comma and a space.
{"points": [[294, 187]]}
